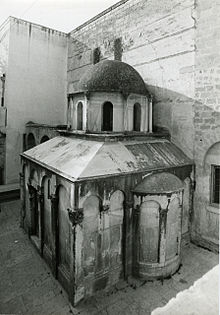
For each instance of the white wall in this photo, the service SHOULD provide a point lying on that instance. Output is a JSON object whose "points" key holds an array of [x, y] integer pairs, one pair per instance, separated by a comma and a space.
{"points": [[35, 84]]}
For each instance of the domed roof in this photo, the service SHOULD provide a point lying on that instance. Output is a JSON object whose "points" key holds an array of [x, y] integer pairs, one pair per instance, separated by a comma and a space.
{"points": [[112, 76], [159, 183]]}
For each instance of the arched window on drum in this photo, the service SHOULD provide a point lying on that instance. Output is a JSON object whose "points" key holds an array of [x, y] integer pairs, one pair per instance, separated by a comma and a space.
{"points": [[80, 116], [107, 116], [137, 117], [31, 142]]}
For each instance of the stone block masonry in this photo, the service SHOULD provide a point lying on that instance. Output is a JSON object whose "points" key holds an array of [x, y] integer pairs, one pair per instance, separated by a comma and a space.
{"points": [[175, 46], [158, 41], [206, 120]]}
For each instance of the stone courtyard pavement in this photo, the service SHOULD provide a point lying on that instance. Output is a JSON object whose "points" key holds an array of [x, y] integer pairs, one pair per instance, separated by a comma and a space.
{"points": [[27, 286]]}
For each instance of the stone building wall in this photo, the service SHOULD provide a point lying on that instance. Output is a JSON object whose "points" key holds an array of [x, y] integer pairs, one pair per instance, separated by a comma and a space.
{"points": [[4, 45], [174, 45], [40, 133], [207, 118], [158, 41]]}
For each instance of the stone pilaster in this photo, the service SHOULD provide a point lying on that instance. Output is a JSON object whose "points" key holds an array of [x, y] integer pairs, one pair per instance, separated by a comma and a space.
{"points": [[54, 218]]}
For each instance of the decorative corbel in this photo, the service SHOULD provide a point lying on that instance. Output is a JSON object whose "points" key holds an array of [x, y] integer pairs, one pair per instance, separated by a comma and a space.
{"points": [[52, 196], [125, 94], [40, 196], [104, 208], [87, 95], [75, 216], [168, 200], [53, 199], [31, 194], [21, 175], [137, 210]]}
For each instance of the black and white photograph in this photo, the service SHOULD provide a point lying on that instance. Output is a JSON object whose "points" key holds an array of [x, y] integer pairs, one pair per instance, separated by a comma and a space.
{"points": [[109, 157]]}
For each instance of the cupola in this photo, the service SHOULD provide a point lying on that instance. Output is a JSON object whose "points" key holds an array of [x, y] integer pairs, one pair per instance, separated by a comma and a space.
{"points": [[111, 97]]}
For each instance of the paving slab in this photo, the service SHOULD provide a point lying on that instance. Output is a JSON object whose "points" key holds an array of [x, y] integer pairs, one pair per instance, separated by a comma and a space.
{"points": [[202, 298], [28, 287]]}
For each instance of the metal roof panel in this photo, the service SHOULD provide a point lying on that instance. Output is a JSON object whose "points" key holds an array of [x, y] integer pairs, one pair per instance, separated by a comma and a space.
{"points": [[76, 159]]}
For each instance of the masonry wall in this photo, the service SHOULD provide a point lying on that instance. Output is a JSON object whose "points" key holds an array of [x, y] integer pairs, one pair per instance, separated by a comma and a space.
{"points": [[39, 132], [207, 120], [35, 84], [158, 41], [104, 249]]}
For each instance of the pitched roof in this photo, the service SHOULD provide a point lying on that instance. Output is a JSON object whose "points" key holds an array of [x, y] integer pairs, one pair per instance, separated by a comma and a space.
{"points": [[78, 159]]}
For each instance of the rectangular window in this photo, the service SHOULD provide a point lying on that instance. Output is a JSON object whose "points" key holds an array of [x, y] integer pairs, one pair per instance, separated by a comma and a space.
{"points": [[118, 49], [96, 55], [215, 184]]}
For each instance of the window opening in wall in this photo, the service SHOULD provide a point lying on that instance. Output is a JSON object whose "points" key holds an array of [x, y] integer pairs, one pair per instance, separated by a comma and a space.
{"points": [[44, 139], [31, 141], [137, 117], [96, 55], [118, 49], [215, 184], [107, 117], [80, 116]]}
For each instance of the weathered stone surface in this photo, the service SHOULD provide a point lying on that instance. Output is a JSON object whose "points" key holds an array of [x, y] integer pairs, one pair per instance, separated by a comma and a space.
{"points": [[158, 41]]}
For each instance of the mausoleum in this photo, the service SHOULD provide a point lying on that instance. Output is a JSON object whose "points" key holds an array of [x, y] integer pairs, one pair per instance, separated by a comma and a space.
{"points": [[108, 198]]}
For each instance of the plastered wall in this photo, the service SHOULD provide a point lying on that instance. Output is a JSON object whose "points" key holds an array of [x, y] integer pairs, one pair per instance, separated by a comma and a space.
{"points": [[35, 84]]}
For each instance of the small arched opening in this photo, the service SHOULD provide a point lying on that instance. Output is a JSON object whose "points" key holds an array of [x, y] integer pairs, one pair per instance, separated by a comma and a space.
{"points": [[46, 217], [80, 116], [31, 141], [137, 117], [44, 139], [107, 117], [212, 174]]}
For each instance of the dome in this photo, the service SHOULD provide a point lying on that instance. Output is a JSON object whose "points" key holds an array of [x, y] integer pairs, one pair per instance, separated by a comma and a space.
{"points": [[112, 76], [159, 183]]}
